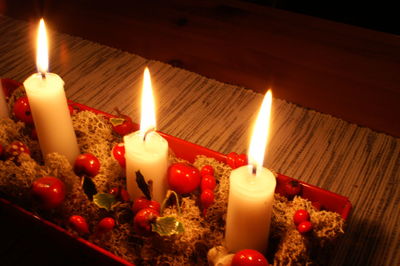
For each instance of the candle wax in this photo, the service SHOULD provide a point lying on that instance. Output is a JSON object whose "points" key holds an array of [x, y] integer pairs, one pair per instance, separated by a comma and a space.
{"points": [[249, 209], [150, 157], [51, 115]]}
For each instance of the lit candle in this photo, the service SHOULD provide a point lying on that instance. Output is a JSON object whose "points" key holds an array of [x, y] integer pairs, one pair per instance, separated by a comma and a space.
{"points": [[49, 106], [145, 150], [251, 192], [3, 102]]}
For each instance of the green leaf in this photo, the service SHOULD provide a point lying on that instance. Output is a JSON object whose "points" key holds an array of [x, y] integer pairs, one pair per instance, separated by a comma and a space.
{"points": [[116, 121], [104, 200], [144, 187], [167, 226]]}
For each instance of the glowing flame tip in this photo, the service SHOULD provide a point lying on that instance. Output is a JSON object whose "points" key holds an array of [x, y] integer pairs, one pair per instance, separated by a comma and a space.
{"points": [[259, 138]]}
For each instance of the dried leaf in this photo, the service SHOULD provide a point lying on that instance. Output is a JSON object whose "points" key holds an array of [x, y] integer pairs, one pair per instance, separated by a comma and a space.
{"points": [[144, 187]]}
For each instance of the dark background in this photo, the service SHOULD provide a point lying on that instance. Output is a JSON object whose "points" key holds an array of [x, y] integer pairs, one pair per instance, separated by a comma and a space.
{"points": [[377, 15]]}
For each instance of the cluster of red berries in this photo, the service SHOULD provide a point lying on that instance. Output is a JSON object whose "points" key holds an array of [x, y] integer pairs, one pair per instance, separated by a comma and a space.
{"points": [[207, 186], [235, 160], [145, 213], [301, 219], [80, 225]]}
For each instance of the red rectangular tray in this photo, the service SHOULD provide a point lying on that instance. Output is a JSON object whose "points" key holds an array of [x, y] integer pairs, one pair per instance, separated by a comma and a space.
{"points": [[183, 149]]}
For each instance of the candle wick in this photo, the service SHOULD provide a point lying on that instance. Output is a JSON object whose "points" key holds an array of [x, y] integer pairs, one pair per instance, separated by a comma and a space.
{"points": [[147, 132], [43, 75], [254, 169]]}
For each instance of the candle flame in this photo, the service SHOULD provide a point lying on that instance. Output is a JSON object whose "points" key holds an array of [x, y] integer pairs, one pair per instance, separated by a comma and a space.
{"points": [[148, 117], [259, 138], [42, 56]]}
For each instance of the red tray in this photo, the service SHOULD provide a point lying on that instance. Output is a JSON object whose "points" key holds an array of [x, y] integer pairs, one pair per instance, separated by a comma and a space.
{"points": [[183, 149]]}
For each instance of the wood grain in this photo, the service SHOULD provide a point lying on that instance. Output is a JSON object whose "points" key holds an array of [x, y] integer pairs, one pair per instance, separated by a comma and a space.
{"points": [[342, 70]]}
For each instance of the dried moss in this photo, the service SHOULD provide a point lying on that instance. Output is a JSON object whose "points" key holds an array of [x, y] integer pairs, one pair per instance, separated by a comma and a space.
{"points": [[95, 135]]}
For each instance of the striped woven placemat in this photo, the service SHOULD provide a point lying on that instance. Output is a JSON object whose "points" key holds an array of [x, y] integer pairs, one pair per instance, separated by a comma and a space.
{"points": [[317, 148]]}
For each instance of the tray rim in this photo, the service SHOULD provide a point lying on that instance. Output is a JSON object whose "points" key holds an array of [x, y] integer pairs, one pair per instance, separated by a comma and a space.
{"points": [[204, 151]]}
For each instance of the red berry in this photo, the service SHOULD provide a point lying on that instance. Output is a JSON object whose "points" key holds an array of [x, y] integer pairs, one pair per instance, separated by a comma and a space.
{"points": [[241, 160], [231, 159], [48, 191], [208, 182], [118, 152], [301, 216], [142, 203], [143, 220], [122, 125], [15, 148], [249, 257], [86, 163], [120, 194], [183, 178], [105, 225], [79, 224], [206, 198], [292, 188], [207, 170], [22, 111], [304, 227]]}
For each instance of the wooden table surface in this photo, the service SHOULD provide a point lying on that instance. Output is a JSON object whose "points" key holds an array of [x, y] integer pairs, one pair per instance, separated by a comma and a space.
{"points": [[341, 70], [346, 71]]}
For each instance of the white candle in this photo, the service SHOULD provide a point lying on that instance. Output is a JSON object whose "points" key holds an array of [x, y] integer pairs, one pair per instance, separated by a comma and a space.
{"points": [[251, 193], [146, 151], [3, 102], [49, 106]]}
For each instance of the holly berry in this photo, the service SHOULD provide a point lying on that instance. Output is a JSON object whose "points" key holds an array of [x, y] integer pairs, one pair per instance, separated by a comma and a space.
{"points": [[143, 220], [207, 170], [49, 191], [118, 153], [208, 182], [241, 160], [86, 163], [120, 194], [105, 225], [22, 110], [249, 257], [235, 160], [122, 125], [183, 178], [304, 227], [142, 203], [292, 188], [207, 198], [231, 159], [79, 224], [301, 216], [15, 148]]}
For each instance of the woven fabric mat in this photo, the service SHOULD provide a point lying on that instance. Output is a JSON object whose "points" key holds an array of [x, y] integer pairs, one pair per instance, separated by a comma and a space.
{"points": [[317, 148]]}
